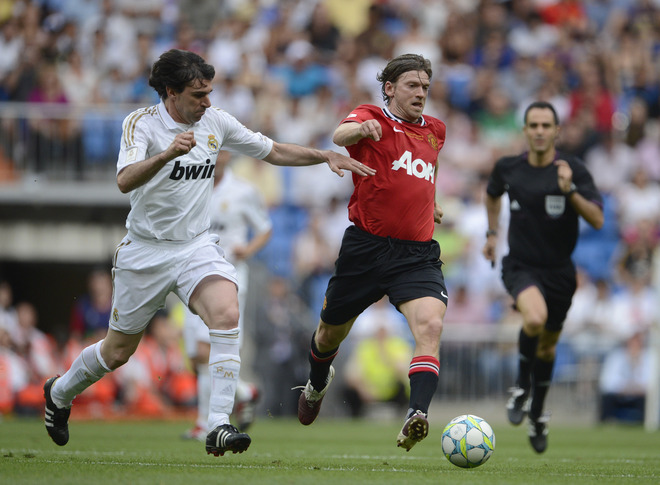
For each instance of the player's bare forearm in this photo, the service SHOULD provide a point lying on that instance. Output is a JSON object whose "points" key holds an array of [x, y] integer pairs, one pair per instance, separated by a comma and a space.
{"points": [[590, 212], [350, 133], [347, 134], [493, 207], [137, 174], [299, 156], [289, 154]]}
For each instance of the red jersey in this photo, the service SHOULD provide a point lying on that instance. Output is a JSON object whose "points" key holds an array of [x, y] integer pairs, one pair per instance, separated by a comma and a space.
{"points": [[398, 201]]}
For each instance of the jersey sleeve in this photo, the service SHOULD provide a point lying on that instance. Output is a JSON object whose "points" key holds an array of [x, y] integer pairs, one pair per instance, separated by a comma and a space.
{"points": [[495, 187], [239, 138], [134, 142], [360, 114]]}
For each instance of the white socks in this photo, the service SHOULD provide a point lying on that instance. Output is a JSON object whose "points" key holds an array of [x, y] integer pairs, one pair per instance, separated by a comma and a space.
{"points": [[224, 366], [88, 368], [203, 395]]}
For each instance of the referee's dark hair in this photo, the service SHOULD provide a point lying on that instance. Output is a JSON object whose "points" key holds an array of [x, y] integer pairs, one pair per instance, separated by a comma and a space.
{"points": [[176, 69], [541, 105], [400, 65]]}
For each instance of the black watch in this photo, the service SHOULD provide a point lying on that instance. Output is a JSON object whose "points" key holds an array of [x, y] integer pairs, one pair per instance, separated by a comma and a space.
{"points": [[571, 190]]}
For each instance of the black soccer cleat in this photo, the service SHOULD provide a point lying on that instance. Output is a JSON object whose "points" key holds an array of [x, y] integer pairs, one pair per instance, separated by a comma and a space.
{"points": [[56, 419], [517, 406], [538, 433], [226, 438]]}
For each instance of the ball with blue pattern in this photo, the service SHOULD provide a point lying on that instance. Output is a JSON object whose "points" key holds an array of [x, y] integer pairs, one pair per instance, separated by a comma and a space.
{"points": [[468, 441]]}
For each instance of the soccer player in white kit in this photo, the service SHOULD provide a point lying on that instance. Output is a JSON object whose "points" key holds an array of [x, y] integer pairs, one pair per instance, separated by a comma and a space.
{"points": [[166, 163], [239, 216]]}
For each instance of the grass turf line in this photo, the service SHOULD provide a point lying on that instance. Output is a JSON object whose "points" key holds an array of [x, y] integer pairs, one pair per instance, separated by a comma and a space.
{"points": [[328, 452]]}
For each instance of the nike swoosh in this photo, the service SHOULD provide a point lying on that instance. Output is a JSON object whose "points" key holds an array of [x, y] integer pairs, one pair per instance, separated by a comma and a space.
{"points": [[397, 130], [443, 294]]}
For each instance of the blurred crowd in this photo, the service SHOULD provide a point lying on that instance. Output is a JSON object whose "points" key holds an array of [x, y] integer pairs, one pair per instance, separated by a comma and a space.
{"points": [[156, 382], [292, 69]]}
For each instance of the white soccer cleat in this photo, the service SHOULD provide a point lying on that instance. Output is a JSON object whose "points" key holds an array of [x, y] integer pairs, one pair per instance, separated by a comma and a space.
{"points": [[414, 430]]}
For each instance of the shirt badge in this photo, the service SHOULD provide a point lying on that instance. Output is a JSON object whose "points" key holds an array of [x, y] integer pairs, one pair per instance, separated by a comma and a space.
{"points": [[212, 143], [555, 205], [433, 141]]}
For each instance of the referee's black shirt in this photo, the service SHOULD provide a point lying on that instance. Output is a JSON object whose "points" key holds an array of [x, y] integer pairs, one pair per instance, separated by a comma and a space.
{"points": [[543, 229]]}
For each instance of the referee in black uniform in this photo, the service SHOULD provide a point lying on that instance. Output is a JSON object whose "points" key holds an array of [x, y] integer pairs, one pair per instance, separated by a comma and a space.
{"points": [[548, 191]]}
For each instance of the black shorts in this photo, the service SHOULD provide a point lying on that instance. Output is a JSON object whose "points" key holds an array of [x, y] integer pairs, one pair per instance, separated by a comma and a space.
{"points": [[557, 285], [369, 267]]}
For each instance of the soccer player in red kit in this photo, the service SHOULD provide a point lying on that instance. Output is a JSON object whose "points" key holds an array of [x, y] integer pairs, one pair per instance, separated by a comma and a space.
{"points": [[389, 249]]}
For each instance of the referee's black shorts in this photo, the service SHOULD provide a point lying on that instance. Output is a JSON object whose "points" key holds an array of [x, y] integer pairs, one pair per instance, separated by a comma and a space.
{"points": [[557, 284], [369, 267]]}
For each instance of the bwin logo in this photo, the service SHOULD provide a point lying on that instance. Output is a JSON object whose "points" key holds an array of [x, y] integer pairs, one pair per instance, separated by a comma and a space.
{"points": [[418, 168], [193, 172]]}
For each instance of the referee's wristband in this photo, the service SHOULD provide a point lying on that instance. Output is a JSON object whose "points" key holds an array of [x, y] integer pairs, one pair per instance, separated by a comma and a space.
{"points": [[491, 232]]}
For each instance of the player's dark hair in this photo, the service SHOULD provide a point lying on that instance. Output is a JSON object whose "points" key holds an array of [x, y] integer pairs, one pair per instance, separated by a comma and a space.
{"points": [[177, 69], [541, 105], [400, 65]]}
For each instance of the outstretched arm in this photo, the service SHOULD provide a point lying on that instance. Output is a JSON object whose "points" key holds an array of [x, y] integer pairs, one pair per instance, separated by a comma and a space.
{"points": [[299, 156]]}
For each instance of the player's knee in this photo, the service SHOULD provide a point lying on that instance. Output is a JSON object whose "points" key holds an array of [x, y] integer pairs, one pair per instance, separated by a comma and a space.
{"points": [[225, 319], [435, 329], [117, 357], [230, 317], [329, 337], [535, 321], [430, 332]]}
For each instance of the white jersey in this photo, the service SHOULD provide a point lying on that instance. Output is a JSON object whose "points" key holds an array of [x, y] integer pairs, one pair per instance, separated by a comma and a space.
{"points": [[237, 208], [174, 204]]}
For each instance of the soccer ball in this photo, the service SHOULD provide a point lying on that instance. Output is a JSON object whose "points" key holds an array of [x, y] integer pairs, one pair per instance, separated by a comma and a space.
{"points": [[468, 441]]}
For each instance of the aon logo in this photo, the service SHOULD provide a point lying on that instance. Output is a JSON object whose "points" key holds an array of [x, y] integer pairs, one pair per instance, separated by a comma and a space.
{"points": [[418, 168]]}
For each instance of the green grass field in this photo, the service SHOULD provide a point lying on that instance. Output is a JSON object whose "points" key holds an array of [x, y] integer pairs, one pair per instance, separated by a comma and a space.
{"points": [[328, 452]]}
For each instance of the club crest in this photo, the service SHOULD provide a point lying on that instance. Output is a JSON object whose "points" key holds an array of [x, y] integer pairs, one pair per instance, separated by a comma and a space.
{"points": [[555, 205]]}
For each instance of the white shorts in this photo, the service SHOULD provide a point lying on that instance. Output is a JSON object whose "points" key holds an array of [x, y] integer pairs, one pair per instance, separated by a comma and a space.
{"points": [[145, 272], [195, 330]]}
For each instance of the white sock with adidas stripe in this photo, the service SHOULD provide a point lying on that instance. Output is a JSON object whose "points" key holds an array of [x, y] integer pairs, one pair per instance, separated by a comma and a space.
{"points": [[88, 368]]}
